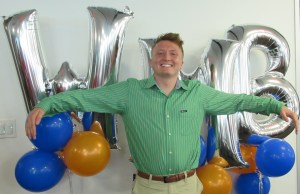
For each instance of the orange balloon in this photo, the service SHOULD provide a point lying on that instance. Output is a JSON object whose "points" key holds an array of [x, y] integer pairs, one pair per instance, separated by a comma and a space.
{"points": [[219, 161], [97, 128], [248, 153], [87, 153], [215, 179]]}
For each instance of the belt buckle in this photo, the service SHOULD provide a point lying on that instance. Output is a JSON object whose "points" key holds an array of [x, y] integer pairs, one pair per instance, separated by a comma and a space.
{"points": [[165, 179]]}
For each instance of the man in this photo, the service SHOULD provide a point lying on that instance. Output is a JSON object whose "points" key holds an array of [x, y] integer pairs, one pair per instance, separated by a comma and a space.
{"points": [[162, 116]]}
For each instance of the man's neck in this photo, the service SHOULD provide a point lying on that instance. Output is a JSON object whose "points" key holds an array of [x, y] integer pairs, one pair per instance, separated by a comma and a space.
{"points": [[166, 84]]}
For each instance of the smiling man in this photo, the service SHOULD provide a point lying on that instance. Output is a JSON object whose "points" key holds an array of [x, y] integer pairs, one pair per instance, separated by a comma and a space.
{"points": [[162, 116], [167, 61]]}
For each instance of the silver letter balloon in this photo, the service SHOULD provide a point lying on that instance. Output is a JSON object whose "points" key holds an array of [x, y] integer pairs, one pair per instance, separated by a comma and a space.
{"points": [[107, 31]]}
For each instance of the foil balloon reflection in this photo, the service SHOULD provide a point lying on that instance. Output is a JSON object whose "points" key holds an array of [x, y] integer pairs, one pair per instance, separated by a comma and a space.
{"points": [[271, 42], [197, 74], [23, 37], [107, 28], [107, 31], [66, 79], [272, 84], [146, 49], [227, 69], [220, 62]]}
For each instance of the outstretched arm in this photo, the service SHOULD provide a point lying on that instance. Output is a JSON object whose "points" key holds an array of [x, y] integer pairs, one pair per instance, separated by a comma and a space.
{"points": [[286, 113], [33, 119]]}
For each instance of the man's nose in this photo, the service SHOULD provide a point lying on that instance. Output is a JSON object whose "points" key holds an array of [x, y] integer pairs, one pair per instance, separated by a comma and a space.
{"points": [[167, 56]]}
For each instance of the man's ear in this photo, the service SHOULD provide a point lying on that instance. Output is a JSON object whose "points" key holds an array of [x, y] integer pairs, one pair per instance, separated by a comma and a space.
{"points": [[182, 64]]}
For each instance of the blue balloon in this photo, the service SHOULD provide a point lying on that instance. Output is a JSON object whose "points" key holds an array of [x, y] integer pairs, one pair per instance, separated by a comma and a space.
{"points": [[87, 120], [38, 171], [113, 128], [54, 132], [257, 139], [211, 143], [252, 183], [202, 158], [275, 157]]}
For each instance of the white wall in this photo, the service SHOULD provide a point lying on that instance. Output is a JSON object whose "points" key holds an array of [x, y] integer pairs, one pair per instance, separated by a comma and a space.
{"points": [[64, 34]]}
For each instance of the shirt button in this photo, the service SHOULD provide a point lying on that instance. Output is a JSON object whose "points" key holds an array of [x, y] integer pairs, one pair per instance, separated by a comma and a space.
{"points": [[168, 116], [170, 152], [170, 134], [170, 169]]}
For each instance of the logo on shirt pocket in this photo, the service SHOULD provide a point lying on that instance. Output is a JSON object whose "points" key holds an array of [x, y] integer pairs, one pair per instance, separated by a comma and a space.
{"points": [[185, 118]]}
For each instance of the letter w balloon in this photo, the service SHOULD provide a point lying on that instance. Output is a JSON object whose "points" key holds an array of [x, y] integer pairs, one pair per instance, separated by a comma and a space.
{"points": [[107, 29]]}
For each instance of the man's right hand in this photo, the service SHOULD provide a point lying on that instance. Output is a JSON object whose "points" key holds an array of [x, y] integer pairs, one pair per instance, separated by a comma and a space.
{"points": [[33, 119]]}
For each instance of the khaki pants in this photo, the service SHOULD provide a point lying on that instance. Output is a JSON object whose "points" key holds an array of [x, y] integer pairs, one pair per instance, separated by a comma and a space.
{"points": [[190, 185]]}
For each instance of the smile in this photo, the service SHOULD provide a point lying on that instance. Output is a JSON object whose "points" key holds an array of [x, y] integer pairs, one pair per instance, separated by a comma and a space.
{"points": [[166, 65]]}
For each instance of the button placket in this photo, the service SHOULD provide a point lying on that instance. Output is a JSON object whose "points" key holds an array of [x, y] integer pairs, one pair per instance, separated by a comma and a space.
{"points": [[168, 133]]}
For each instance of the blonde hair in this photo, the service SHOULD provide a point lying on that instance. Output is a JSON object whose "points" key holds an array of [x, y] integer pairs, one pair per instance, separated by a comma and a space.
{"points": [[173, 37]]}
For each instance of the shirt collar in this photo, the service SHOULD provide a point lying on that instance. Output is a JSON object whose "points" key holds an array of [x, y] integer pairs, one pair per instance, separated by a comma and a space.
{"points": [[150, 82]]}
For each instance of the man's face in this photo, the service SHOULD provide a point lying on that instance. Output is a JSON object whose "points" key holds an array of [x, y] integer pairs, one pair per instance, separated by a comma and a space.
{"points": [[166, 59]]}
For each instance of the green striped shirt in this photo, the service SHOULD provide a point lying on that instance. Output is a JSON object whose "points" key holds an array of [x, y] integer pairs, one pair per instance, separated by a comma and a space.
{"points": [[162, 131]]}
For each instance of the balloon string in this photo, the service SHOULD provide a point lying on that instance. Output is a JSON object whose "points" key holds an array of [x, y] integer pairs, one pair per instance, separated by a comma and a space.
{"points": [[70, 181], [74, 116], [260, 178]]}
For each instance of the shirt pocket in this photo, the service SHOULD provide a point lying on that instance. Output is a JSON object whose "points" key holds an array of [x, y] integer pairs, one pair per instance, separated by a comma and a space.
{"points": [[185, 123]]}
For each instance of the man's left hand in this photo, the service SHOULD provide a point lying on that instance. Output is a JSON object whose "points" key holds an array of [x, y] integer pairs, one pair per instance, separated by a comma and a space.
{"points": [[286, 113]]}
